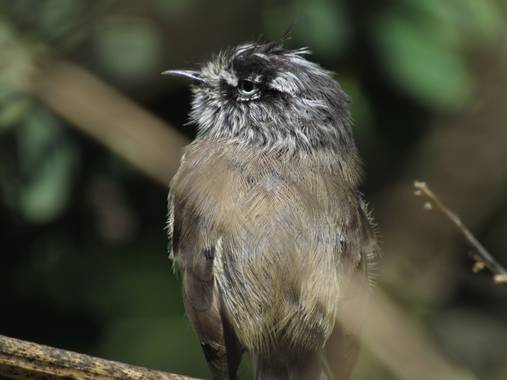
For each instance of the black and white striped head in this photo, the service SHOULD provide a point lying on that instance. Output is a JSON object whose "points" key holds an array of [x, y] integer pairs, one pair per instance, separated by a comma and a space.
{"points": [[265, 95]]}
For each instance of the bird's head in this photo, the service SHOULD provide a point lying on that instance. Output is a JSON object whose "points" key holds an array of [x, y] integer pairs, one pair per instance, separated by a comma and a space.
{"points": [[266, 95]]}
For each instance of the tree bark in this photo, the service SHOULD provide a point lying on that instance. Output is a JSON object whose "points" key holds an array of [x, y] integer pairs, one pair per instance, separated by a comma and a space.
{"points": [[25, 360]]}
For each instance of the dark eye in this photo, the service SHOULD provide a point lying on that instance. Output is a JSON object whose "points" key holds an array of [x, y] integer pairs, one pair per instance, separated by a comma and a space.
{"points": [[247, 87]]}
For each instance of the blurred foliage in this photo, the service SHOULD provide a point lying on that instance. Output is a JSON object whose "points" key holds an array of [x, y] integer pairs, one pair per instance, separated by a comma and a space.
{"points": [[46, 164], [422, 44], [16, 66], [321, 24], [171, 8], [83, 235], [410, 58], [138, 41]]}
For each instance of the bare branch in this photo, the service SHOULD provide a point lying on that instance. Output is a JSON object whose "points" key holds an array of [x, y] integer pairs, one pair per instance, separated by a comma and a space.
{"points": [[25, 360], [481, 255]]}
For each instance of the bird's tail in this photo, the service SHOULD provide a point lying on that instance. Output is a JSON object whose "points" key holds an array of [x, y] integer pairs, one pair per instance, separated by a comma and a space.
{"points": [[299, 367]]}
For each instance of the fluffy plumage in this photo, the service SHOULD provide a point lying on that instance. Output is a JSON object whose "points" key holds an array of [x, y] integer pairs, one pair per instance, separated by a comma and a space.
{"points": [[298, 106], [266, 224]]}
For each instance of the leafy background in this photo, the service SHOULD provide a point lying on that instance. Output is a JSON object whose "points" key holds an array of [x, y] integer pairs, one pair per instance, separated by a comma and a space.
{"points": [[83, 253]]}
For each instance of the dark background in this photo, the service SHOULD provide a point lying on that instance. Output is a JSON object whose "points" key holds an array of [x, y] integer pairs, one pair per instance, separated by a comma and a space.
{"points": [[83, 248]]}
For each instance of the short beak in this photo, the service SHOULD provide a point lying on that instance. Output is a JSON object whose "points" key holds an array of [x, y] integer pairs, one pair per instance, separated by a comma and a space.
{"points": [[190, 74]]}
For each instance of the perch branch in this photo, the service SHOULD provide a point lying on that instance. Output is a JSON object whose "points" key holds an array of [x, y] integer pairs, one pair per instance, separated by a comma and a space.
{"points": [[481, 255], [25, 360]]}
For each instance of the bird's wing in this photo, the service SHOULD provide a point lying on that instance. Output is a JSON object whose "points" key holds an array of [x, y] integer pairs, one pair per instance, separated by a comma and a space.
{"points": [[170, 223], [192, 247], [342, 348]]}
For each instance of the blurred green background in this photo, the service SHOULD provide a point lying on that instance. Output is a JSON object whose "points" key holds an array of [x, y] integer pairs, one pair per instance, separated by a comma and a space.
{"points": [[83, 254]]}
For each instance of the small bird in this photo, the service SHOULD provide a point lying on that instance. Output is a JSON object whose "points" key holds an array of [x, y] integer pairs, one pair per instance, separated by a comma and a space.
{"points": [[266, 223]]}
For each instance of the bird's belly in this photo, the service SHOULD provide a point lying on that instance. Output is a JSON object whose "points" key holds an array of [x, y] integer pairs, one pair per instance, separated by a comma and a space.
{"points": [[279, 280], [276, 227]]}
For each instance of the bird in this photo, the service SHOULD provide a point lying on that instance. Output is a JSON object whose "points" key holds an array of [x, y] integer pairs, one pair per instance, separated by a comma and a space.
{"points": [[267, 227]]}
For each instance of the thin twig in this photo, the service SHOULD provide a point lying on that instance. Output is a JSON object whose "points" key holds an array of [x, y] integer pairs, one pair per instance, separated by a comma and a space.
{"points": [[25, 360], [481, 255]]}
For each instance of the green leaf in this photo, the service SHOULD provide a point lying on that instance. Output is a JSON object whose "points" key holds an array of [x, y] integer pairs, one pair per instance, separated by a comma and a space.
{"points": [[422, 64], [47, 162], [128, 48]]}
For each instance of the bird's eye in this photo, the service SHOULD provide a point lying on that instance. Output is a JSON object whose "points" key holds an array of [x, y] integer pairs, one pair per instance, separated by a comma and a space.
{"points": [[247, 87]]}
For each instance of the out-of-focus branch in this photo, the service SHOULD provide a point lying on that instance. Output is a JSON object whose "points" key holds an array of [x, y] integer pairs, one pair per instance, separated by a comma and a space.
{"points": [[404, 346], [25, 360], [481, 256], [109, 117], [397, 340]]}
